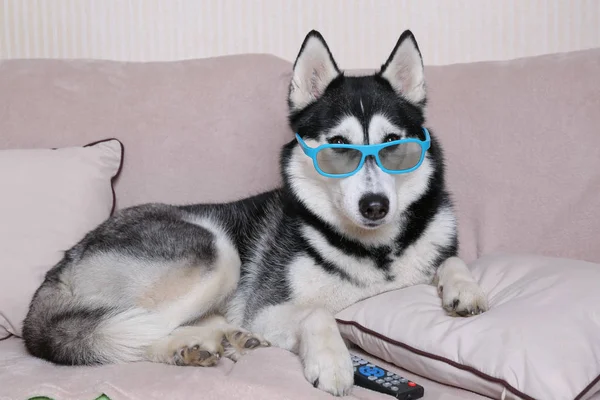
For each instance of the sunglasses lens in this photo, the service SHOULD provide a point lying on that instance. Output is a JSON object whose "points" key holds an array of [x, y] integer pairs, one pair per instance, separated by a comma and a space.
{"points": [[400, 157], [338, 161]]}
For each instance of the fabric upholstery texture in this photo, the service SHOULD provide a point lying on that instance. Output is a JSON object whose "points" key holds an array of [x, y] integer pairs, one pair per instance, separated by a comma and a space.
{"points": [[264, 374], [522, 152], [520, 137], [50, 200], [539, 339]]}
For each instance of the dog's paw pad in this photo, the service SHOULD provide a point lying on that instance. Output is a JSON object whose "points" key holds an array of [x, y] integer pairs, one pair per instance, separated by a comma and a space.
{"points": [[252, 343], [196, 355], [463, 299], [245, 340], [238, 342]]}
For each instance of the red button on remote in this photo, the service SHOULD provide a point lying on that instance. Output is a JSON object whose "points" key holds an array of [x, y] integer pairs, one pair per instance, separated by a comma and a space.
{"points": [[412, 384]]}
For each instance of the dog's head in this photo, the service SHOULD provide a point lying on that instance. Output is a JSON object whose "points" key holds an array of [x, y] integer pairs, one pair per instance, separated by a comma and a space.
{"points": [[328, 107]]}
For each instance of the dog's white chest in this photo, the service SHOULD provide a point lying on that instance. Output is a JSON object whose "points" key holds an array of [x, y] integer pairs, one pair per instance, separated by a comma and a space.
{"points": [[357, 279]]}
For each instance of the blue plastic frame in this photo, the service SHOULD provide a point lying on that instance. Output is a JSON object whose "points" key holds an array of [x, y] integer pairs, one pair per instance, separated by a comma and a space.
{"points": [[366, 150]]}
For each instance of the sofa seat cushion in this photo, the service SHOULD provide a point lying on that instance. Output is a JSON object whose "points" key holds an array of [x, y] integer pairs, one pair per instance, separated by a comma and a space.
{"points": [[263, 374]]}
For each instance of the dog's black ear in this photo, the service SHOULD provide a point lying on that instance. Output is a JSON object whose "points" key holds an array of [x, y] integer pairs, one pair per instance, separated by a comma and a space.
{"points": [[404, 69], [314, 70]]}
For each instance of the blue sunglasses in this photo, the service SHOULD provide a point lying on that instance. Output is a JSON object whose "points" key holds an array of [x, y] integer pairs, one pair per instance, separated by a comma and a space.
{"points": [[344, 160]]}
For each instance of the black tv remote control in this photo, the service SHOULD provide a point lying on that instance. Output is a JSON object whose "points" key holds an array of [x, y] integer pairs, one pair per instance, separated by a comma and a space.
{"points": [[372, 377]]}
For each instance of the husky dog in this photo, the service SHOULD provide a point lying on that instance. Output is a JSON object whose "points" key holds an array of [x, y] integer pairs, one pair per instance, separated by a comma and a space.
{"points": [[363, 209]]}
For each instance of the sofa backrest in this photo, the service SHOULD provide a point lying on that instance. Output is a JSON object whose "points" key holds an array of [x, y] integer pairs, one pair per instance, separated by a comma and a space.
{"points": [[521, 137], [522, 141], [193, 131]]}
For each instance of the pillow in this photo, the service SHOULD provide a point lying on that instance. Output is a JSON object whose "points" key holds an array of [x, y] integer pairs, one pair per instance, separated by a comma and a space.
{"points": [[50, 199], [539, 340]]}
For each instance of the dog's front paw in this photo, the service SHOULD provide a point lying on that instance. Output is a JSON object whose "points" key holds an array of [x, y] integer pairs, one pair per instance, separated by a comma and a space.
{"points": [[330, 369], [463, 298]]}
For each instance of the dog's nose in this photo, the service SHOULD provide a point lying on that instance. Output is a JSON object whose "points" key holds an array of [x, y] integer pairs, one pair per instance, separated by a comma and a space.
{"points": [[374, 206]]}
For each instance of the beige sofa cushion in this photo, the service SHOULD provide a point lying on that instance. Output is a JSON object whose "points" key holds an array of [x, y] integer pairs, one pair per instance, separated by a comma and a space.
{"points": [[50, 200], [539, 340]]}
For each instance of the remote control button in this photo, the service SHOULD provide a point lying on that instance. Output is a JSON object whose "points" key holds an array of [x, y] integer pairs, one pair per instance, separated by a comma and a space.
{"points": [[389, 373], [371, 371], [387, 384], [396, 376], [380, 381], [370, 365], [395, 382], [394, 388], [388, 378], [362, 362], [372, 377], [412, 384], [403, 380]]}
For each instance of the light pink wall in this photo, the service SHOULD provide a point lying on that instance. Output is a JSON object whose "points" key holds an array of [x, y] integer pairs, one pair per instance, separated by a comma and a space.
{"points": [[360, 32]]}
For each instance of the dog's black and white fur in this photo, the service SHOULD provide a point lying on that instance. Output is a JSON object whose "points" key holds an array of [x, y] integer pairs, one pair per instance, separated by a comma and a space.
{"points": [[187, 284]]}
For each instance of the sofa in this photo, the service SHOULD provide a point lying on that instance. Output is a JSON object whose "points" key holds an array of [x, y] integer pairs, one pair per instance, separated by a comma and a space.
{"points": [[80, 139]]}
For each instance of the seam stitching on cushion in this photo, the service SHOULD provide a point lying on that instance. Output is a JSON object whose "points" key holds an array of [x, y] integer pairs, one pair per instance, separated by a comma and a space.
{"points": [[435, 357], [116, 175], [587, 388], [6, 337]]}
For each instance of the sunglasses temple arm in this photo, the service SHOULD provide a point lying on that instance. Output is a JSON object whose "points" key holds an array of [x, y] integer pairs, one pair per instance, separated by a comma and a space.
{"points": [[307, 150], [427, 138]]}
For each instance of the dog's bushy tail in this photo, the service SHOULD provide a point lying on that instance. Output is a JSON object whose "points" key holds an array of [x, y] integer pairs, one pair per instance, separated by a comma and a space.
{"points": [[61, 331]]}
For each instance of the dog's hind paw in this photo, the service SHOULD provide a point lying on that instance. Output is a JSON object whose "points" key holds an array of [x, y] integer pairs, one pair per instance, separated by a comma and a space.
{"points": [[237, 342], [196, 355]]}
